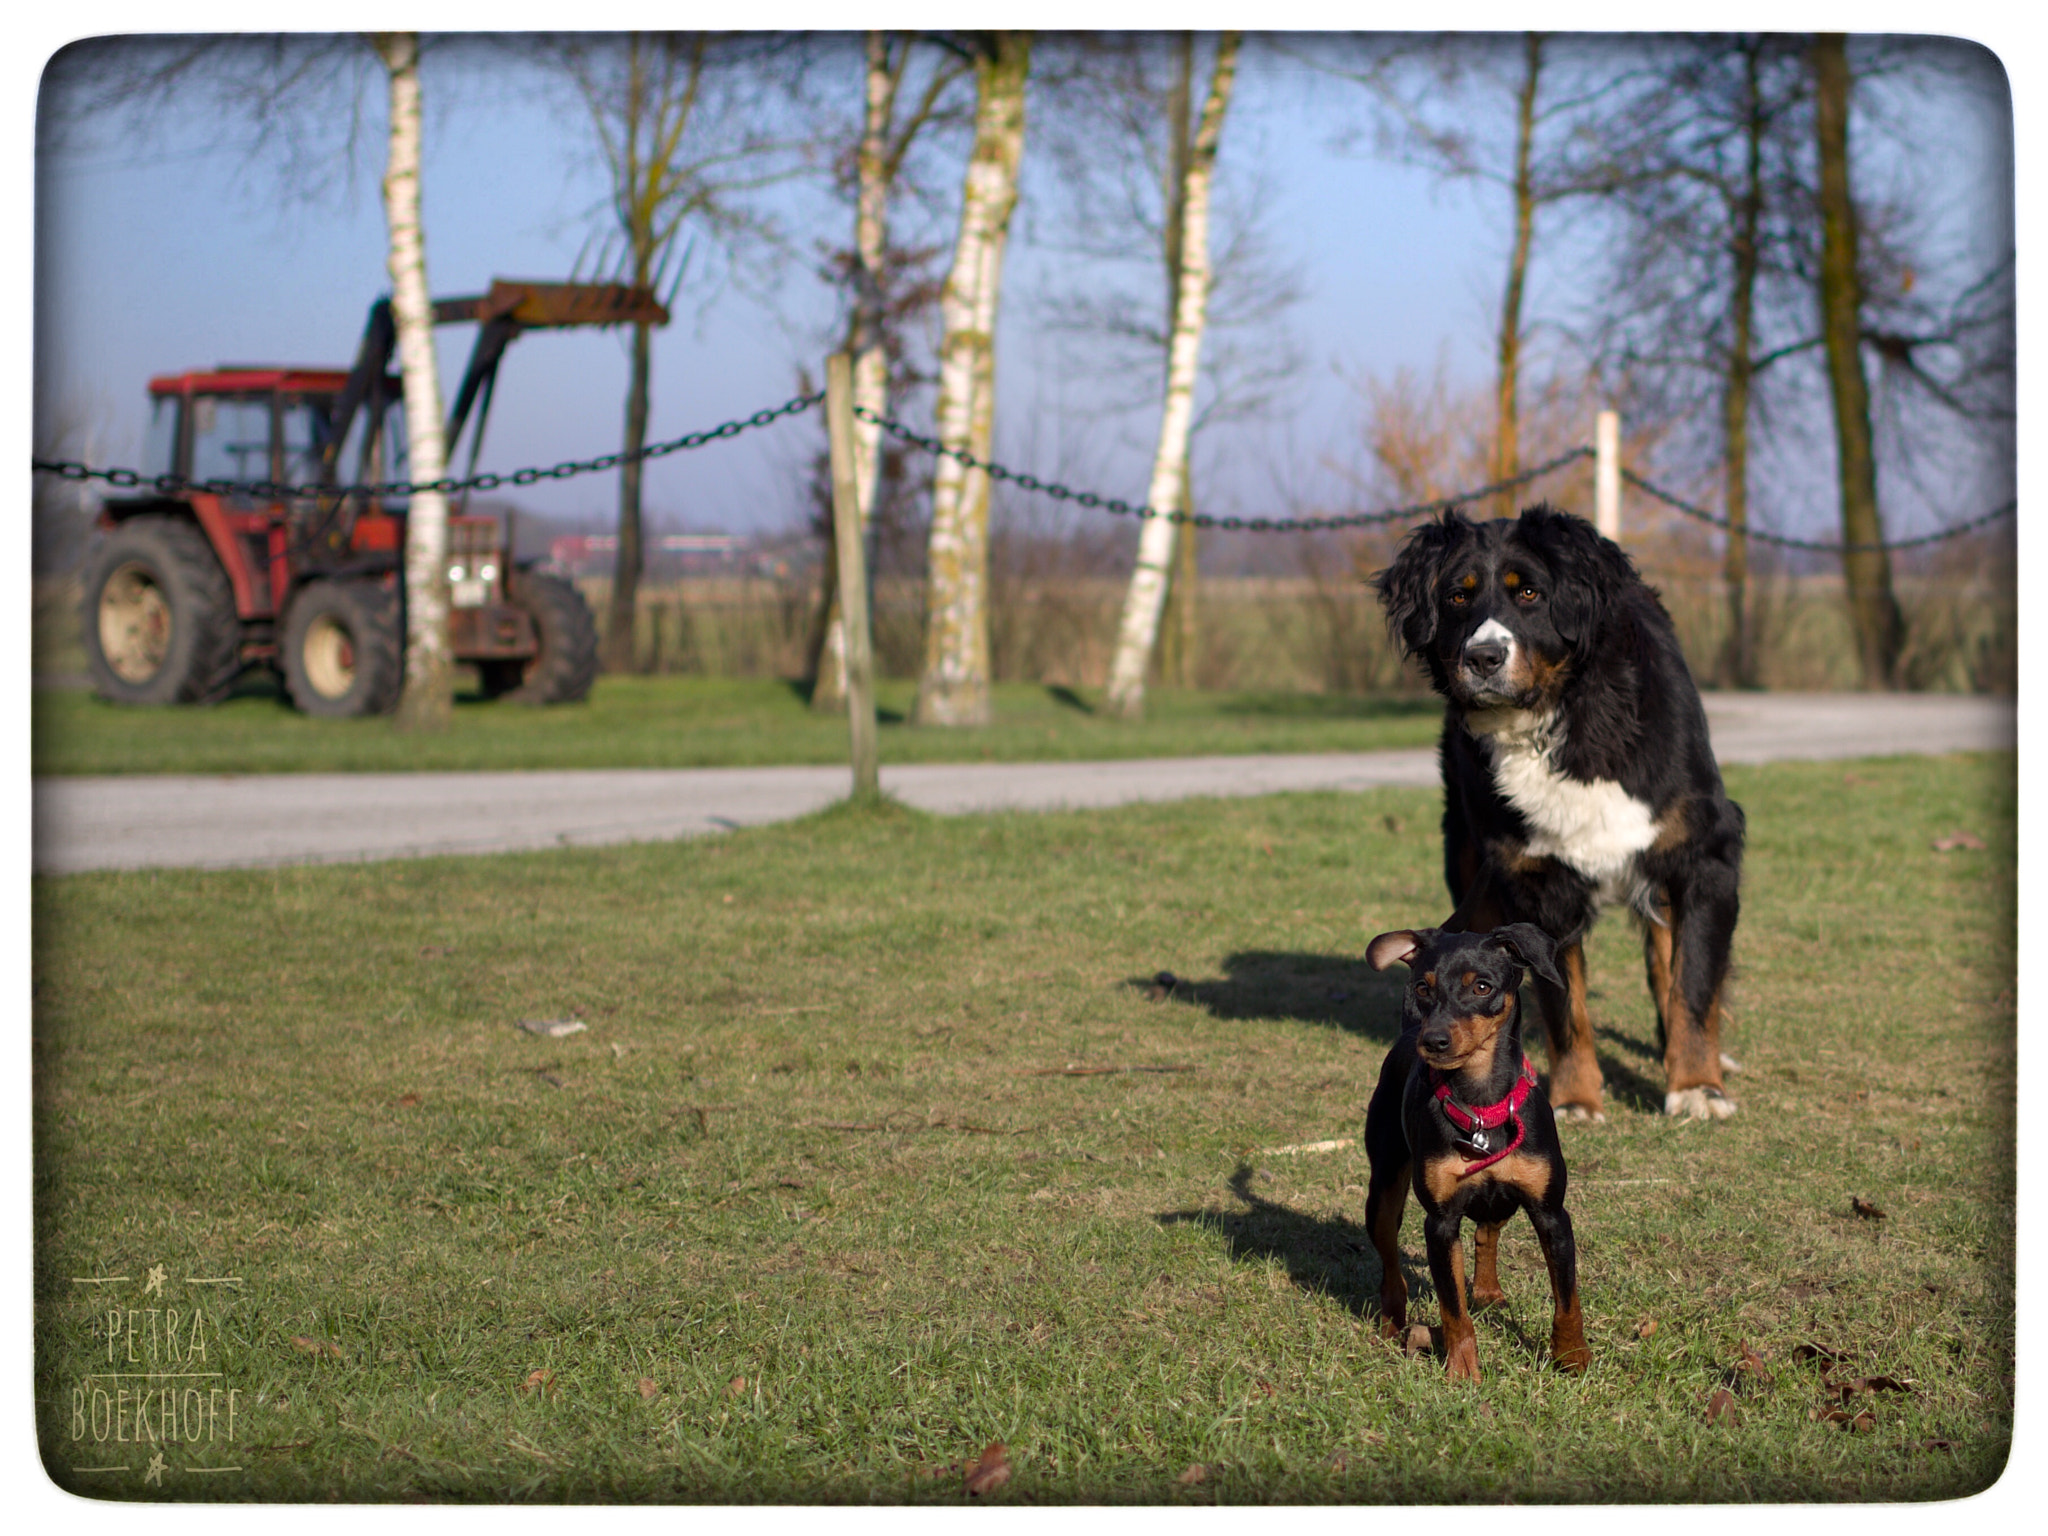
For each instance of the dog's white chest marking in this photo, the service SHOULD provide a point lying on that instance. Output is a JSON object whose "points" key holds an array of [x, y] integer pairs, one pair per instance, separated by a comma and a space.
{"points": [[1597, 828]]}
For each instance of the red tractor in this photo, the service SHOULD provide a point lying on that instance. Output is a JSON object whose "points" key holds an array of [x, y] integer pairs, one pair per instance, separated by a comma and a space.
{"points": [[190, 589]]}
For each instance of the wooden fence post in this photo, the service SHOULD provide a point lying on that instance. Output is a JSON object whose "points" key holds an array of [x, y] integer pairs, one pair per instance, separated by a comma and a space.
{"points": [[853, 576], [1607, 474]]}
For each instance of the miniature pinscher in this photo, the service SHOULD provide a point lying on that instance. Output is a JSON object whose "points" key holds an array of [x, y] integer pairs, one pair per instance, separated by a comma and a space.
{"points": [[1459, 1114]]}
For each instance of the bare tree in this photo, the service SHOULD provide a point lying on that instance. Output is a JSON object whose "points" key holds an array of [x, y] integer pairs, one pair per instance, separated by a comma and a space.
{"points": [[954, 686], [1189, 253], [1880, 631], [1705, 291], [427, 700], [684, 142], [882, 280], [1555, 153]]}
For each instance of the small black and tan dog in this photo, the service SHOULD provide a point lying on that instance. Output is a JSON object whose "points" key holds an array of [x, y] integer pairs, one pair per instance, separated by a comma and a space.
{"points": [[1458, 1113]]}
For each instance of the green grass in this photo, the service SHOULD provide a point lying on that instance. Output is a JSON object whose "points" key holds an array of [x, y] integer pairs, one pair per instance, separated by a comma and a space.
{"points": [[678, 722], [801, 1217]]}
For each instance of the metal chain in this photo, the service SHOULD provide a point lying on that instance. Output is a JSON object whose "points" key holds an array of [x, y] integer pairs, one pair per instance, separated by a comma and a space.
{"points": [[172, 485], [270, 490], [1701, 513], [1119, 507]]}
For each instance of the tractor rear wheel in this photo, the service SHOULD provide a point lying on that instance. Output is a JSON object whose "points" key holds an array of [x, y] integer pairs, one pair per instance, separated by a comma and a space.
{"points": [[158, 615], [565, 666], [342, 649]]}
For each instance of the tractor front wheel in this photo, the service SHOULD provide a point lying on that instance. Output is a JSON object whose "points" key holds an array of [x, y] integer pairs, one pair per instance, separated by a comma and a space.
{"points": [[342, 648], [158, 616], [565, 666]]}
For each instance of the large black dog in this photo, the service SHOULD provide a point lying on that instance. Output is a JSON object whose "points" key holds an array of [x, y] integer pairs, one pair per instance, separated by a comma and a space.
{"points": [[1577, 774]]}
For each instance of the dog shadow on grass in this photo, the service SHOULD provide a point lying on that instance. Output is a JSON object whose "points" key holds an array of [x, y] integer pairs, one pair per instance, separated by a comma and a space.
{"points": [[1341, 991], [1329, 1255], [1333, 1256]]}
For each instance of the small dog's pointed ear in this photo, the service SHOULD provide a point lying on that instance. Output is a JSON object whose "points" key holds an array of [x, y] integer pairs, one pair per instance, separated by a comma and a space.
{"points": [[1396, 948], [1531, 946]]}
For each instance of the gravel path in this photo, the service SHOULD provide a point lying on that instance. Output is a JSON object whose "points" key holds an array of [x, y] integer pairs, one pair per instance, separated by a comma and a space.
{"points": [[226, 821]]}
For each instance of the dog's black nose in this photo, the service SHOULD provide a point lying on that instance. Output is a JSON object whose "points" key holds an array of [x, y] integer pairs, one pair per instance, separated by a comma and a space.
{"points": [[1485, 656], [1435, 1040]]}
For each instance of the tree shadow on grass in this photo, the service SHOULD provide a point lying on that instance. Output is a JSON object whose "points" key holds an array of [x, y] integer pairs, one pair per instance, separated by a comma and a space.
{"points": [[1341, 991], [1060, 694], [1328, 1255]]}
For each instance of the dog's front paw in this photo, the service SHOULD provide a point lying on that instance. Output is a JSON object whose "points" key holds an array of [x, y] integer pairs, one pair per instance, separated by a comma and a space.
{"points": [[1580, 1114], [1703, 1103]]}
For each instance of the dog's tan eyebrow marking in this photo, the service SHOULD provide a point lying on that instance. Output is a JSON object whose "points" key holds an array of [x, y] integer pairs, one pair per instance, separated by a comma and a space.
{"points": [[1468, 581], [1511, 579]]}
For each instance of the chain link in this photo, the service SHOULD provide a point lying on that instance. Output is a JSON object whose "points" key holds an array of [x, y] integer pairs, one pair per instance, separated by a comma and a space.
{"points": [[173, 485], [270, 490], [1703, 515], [1117, 507]]}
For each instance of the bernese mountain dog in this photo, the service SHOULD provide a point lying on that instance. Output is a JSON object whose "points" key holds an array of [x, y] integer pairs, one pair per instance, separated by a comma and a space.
{"points": [[1577, 775]]}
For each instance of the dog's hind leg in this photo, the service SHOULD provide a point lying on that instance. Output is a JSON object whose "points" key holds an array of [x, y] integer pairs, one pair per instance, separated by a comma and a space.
{"points": [[1486, 1289], [1657, 967], [1575, 1083], [1385, 1201], [1702, 932]]}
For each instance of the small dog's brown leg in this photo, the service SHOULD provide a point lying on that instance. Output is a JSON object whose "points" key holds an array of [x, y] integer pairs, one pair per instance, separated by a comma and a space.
{"points": [[1385, 1202], [1560, 1256], [1486, 1289], [1447, 1269]]}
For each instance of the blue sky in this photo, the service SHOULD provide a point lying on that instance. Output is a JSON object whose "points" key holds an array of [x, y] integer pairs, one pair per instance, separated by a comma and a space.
{"points": [[173, 253]]}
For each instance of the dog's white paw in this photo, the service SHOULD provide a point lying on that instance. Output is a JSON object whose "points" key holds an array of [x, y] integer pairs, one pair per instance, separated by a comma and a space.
{"points": [[1729, 1063], [1699, 1104], [1582, 1115]]}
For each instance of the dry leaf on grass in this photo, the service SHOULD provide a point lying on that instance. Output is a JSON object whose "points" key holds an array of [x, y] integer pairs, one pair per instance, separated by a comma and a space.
{"points": [[1859, 1423], [1721, 1408], [1646, 1327], [1196, 1473], [988, 1471], [1948, 842], [1752, 1365], [647, 1387], [1865, 1209], [737, 1387], [1162, 987], [539, 1381], [316, 1346], [407, 1100]]}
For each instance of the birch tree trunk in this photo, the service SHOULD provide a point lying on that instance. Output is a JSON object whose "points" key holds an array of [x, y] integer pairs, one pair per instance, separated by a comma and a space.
{"points": [[954, 686], [427, 701], [864, 341], [1507, 449], [1139, 628], [1872, 607]]}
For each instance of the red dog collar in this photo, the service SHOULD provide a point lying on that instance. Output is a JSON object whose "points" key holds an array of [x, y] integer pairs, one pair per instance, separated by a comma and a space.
{"points": [[1474, 1118]]}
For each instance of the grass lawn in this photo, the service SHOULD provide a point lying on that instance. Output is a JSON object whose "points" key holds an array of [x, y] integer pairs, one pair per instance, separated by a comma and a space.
{"points": [[689, 722], [813, 1210]]}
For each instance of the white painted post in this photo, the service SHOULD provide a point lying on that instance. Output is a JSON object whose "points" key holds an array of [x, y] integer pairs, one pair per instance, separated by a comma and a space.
{"points": [[849, 545], [1607, 474]]}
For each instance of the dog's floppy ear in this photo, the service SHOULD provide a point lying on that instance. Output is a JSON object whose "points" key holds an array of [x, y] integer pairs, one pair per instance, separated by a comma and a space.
{"points": [[1396, 948], [1407, 588], [1589, 570], [1531, 946]]}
